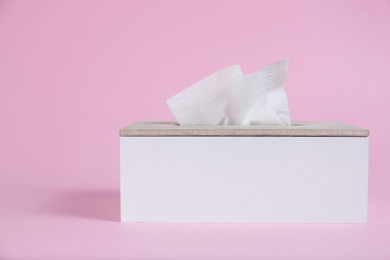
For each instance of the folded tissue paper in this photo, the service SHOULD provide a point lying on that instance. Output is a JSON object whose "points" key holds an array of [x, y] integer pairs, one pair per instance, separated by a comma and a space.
{"points": [[228, 97]]}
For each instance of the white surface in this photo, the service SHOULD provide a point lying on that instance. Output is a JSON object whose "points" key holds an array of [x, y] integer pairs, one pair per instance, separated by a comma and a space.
{"points": [[228, 97], [244, 179]]}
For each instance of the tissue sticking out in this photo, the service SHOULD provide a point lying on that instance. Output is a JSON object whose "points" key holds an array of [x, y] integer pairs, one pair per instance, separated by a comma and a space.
{"points": [[228, 97]]}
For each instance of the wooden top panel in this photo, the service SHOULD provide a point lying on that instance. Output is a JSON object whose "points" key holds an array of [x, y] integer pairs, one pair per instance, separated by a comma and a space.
{"points": [[172, 128]]}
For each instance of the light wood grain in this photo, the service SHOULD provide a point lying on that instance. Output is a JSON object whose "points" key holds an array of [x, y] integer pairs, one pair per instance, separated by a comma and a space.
{"points": [[172, 128]]}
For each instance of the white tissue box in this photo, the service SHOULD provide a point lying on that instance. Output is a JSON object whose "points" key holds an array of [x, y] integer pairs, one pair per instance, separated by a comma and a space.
{"points": [[310, 172]]}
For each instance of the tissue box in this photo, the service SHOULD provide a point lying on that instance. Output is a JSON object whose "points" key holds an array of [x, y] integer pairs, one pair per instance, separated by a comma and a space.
{"points": [[310, 172]]}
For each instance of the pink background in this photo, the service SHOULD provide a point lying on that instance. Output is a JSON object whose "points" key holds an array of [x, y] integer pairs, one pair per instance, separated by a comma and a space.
{"points": [[72, 73]]}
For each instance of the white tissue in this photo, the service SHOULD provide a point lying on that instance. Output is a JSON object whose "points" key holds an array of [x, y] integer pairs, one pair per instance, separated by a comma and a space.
{"points": [[228, 97]]}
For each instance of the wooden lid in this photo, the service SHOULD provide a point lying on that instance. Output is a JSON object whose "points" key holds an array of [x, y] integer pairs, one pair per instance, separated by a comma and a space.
{"points": [[172, 128]]}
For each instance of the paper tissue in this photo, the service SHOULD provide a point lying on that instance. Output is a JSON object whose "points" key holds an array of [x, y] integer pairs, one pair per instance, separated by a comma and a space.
{"points": [[228, 97]]}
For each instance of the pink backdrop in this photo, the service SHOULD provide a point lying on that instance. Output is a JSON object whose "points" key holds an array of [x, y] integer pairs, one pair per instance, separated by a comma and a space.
{"points": [[72, 73]]}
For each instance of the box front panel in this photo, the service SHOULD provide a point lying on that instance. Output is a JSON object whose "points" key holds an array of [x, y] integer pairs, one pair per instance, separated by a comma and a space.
{"points": [[244, 179]]}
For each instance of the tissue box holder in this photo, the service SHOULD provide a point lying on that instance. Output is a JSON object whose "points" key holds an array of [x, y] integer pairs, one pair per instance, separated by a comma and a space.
{"points": [[310, 172]]}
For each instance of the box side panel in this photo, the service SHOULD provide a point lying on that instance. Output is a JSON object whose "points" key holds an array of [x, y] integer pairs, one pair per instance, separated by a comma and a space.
{"points": [[244, 179]]}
